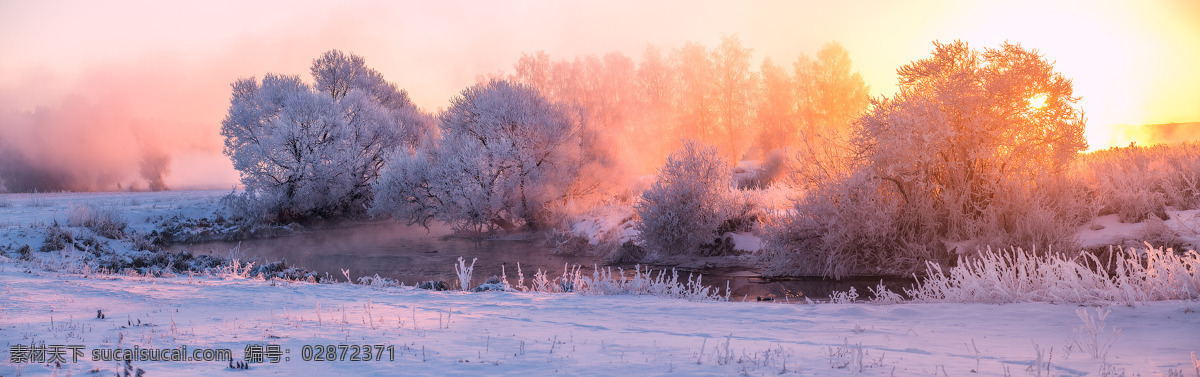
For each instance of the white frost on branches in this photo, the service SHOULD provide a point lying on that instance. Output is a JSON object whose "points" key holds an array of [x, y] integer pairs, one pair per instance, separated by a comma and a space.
{"points": [[506, 153], [686, 205], [305, 150]]}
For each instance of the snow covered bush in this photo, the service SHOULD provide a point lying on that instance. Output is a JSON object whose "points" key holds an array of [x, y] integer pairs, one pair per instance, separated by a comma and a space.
{"points": [[846, 226], [688, 203], [105, 221], [1043, 213], [505, 156], [406, 190], [1137, 182], [1157, 233], [57, 238], [314, 150]]}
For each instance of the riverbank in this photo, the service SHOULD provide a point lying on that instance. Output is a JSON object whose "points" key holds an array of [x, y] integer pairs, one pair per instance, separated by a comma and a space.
{"points": [[54, 298], [505, 333]]}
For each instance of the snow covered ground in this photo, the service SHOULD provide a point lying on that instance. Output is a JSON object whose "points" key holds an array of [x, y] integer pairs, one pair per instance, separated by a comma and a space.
{"points": [[490, 333], [527, 333], [139, 208], [1182, 226]]}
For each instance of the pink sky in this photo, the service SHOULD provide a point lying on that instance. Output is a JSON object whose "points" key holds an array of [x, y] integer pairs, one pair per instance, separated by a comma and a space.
{"points": [[160, 71]]}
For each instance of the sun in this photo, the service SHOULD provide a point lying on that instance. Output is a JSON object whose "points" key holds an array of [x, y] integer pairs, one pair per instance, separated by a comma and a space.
{"points": [[1037, 102]]}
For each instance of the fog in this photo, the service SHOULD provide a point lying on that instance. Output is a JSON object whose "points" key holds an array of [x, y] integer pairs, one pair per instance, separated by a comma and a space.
{"points": [[130, 95], [1150, 134], [114, 128]]}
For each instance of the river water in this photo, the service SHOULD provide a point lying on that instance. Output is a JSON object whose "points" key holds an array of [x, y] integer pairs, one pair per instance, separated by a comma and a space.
{"points": [[412, 254]]}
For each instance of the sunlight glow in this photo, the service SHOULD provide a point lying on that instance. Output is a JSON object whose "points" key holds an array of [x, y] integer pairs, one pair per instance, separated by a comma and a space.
{"points": [[1037, 102], [161, 71], [1125, 59], [1100, 137]]}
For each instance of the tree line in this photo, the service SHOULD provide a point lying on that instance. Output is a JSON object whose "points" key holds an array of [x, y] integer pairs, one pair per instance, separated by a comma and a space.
{"points": [[974, 149], [509, 147], [712, 95]]}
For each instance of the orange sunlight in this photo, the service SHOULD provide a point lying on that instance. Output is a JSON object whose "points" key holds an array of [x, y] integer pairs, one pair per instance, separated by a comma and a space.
{"points": [[167, 66], [1129, 60]]}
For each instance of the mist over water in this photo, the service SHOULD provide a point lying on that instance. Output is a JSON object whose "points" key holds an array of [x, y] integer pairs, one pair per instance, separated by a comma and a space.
{"points": [[412, 255], [392, 250]]}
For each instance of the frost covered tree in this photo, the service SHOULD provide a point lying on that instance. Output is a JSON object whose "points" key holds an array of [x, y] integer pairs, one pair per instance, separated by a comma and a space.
{"points": [[967, 121], [777, 108], [339, 75], [534, 70], [314, 150], [735, 87], [694, 107], [506, 153], [972, 149], [656, 88], [687, 203], [829, 96]]}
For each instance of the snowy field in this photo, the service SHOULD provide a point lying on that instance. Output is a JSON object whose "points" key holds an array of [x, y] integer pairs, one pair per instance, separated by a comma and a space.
{"points": [[138, 208], [528, 333]]}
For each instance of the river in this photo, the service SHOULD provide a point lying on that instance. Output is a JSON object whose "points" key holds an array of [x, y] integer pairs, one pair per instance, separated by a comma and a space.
{"points": [[412, 254]]}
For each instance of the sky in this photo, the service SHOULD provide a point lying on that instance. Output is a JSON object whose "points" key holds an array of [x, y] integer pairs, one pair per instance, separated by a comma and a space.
{"points": [[119, 81]]}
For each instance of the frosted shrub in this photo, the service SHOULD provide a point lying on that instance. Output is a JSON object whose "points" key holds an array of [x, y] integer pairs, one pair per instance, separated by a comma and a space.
{"points": [[883, 295], [848, 297], [1092, 337], [687, 204], [1125, 183], [542, 283], [1157, 233], [1137, 182], [105, 221], [406, 191], [645, 282], [850, 225], [494, 283], [1043, 213], [251, 205], [57, 238], [1128, 276], [378, 281], [1183, 177], [464, 273], [607, 281]]}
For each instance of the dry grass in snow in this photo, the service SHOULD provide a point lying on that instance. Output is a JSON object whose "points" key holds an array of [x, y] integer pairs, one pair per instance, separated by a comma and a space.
{"points": [[1127, 276]]}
